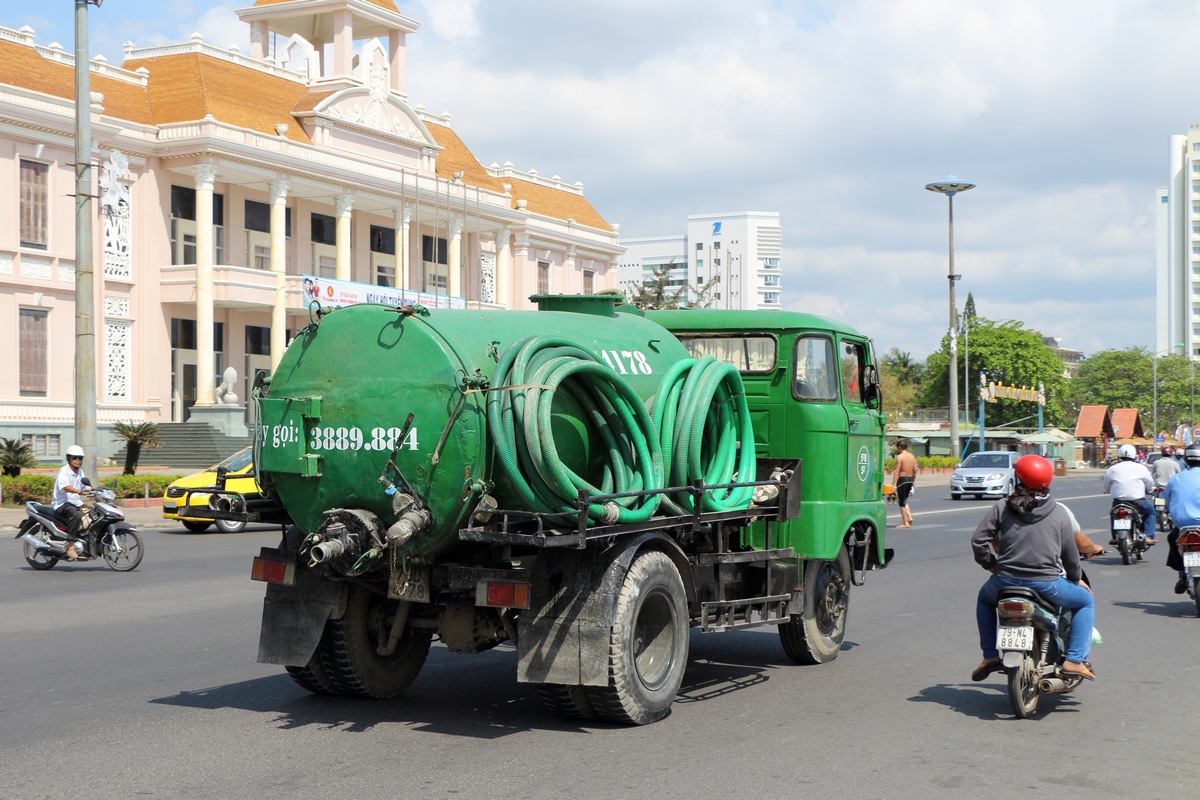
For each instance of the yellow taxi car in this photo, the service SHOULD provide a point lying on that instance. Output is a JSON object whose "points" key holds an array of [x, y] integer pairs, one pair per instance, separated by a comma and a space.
{"points": [[239, 477]]}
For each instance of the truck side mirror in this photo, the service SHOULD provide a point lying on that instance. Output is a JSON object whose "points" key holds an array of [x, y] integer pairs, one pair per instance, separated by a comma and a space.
{"points": [[872, 396]]}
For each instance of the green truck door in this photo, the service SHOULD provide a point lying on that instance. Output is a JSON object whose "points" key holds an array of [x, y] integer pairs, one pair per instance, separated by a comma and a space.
{"points": [[864, 465]]}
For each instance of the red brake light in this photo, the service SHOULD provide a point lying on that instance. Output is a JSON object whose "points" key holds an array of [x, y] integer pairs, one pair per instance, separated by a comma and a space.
{"points": [[1121, 513], [502, 594], [1189, 539], [272, 571], [1015, 609]]}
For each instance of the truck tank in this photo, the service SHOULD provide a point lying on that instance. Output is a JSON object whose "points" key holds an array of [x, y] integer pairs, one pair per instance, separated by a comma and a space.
{"points": [[434, 388]]}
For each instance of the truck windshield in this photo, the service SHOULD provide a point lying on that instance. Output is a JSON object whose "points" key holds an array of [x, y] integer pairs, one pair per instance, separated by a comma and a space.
{"points": [[749, 354]]}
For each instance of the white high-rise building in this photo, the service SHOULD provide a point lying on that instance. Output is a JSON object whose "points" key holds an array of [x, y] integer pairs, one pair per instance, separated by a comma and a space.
{"points": [[1177, 261], [735, 256]]}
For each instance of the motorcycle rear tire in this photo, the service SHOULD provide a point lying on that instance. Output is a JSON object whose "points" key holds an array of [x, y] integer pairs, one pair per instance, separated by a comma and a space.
{"points": [[38, 559], [1123, 546], [1023, 692]]}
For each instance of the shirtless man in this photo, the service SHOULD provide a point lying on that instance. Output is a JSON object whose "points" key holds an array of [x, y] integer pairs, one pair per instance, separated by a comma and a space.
{"points": [[902, 478]]}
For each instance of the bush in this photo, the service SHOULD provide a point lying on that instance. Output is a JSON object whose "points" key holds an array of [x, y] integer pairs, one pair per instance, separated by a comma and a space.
{"points": [[134, 486], [30, 486], [924, 462]]}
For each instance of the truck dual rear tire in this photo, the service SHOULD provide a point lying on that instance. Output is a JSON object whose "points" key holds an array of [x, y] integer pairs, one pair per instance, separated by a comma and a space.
{"points": [[648, 644], [815, 636], [348, 649]]}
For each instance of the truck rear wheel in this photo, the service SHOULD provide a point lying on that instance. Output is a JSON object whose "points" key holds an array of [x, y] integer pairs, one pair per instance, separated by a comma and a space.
{"points": [[815, 636], [567, 701], [647, 645], [349, 649], [312, 676]]}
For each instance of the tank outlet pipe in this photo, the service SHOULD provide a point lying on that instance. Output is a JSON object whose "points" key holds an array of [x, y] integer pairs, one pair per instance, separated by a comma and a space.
{"points": [[1052, 686], [411, 523], [326, 551], [227, 502], [40, 545]]}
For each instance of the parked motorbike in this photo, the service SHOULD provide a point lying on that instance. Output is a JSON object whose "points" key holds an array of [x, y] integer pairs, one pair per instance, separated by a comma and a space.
{"points": [[1189, 547], [1126, 524], [1031, 638], [103, 533]]}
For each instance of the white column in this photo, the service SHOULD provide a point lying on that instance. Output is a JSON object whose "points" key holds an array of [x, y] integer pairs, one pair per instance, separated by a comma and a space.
{"points": [[401, 219], [206, 382], [344, 205], [279, 192], [260, 35], [343, 43], [503, 268], [398, 80], [454, 258], [569, 285]]}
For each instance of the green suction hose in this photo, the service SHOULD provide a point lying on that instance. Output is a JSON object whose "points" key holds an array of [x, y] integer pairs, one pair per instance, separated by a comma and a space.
{"points": [[519, 421], [700, 413]]}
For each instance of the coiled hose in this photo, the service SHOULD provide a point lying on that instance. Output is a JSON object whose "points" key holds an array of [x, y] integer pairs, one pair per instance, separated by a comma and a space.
{"points": [[519, 407], [700, 413]]}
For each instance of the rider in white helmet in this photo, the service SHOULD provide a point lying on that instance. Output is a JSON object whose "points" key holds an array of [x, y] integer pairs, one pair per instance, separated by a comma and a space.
{"points": [[1129, 482], [67, 498]]}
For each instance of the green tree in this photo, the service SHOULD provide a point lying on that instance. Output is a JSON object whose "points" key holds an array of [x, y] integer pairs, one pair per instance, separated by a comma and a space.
{"points": [[657, 292], [136, 435], [15, 455], [1005, 352], [1125, 379]]}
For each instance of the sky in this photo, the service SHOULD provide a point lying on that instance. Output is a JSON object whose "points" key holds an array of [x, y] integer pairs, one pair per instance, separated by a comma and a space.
{"points": [[834, 113]]}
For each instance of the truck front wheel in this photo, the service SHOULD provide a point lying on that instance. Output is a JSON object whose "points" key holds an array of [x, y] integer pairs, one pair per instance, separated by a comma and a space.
{"points": [[648, 644], [349, 649], [815, 636]]}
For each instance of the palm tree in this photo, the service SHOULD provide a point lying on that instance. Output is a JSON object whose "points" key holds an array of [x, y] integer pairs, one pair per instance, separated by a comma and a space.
{"points": [[136, 435], [16, 455]]}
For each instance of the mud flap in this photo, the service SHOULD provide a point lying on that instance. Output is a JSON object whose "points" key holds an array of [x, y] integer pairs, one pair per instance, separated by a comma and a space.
{"points": [[564, 636], [294, 618]]}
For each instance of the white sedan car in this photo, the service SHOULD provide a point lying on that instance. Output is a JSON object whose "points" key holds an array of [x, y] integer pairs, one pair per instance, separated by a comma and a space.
{"points": [[983, 474]]}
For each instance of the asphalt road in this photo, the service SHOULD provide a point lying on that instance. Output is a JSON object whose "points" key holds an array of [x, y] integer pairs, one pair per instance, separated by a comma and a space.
{"points": [[145, 684]]}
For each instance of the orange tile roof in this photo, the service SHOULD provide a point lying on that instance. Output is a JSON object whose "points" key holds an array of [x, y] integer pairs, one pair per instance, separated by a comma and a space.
{"points": [[189, 86], [1093, 422], [1127, 422], [539, 199], [25, 67]]}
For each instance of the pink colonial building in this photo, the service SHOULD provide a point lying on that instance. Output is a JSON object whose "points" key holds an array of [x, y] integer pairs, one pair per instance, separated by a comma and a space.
{"points": [[221, 179]]}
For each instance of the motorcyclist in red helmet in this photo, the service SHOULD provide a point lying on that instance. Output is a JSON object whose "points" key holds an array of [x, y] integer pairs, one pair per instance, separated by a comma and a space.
{"points": [[1027, 540]]}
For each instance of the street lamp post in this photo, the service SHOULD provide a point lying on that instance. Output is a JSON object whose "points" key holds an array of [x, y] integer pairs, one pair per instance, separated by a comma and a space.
{"points": [[951, 186]]}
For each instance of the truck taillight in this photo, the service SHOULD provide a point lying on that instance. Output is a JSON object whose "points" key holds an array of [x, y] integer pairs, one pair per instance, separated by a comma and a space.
{"points": [[1015, 609], [502, 594], [273, 571]]}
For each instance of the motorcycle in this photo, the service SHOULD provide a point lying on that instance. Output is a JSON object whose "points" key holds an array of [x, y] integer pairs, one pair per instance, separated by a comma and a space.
{"points": [[1162, 518], [1189, 547], [1031, 638], [1126, 523], [103, 533]]}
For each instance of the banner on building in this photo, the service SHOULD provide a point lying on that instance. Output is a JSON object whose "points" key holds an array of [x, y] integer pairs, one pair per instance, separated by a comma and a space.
{"points": [[332, 292]]}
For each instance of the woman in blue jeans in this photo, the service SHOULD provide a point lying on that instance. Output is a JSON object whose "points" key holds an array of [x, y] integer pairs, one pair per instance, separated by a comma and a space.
{"points": [[1027, 540]]}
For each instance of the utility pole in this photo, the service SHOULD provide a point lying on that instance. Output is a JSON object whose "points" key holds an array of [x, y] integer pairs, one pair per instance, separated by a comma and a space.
{"points": [[85, 299]]}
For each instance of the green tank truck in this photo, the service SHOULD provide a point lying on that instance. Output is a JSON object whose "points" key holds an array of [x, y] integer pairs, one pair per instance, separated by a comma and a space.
{"points": [[586, 481]]}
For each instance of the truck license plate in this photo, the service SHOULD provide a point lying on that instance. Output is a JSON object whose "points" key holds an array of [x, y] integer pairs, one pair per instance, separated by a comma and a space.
{"points": [[1191, 559], [1122, 524], [1014, 637]]}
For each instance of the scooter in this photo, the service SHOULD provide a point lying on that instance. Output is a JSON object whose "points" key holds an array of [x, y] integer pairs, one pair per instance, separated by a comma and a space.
{"points": [[103, 533], [1126, 524], [1188, 544], [1031, 638]]}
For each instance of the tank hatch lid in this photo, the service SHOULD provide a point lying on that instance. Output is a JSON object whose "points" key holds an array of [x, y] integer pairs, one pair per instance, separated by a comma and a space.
{"points": [[601, 305]]}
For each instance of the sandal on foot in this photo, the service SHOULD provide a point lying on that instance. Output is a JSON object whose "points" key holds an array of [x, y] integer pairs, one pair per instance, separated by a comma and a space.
{"points": [[1082, 672], [985, 668]]}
